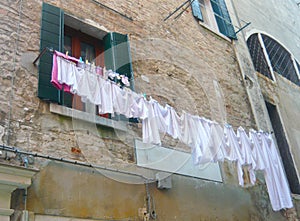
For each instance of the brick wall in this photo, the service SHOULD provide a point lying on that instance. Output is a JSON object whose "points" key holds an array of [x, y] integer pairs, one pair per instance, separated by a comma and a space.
{"points": [[185, 60]]}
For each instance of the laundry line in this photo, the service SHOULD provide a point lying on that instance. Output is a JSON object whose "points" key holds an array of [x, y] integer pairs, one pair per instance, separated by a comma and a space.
{"points": [[209, 141]]}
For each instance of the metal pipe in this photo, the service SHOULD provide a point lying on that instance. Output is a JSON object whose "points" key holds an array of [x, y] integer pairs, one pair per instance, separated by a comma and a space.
{"points": [[176, 10], [191, 2], [13, 75], [42, 53], [243, 27], [74, 162]]}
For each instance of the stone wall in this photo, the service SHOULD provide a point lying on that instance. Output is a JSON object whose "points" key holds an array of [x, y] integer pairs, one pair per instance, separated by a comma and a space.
{"points": [[180, 64]]}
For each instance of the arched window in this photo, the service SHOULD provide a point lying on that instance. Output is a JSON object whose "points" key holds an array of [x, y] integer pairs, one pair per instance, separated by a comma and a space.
{"points": [[258, 57], [270, 57]]}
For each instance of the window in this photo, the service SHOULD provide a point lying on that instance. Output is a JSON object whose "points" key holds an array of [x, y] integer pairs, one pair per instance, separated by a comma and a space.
{"points": [[298, 68], [269, 56], [258, 57], [58, 31], [79, 44], [280, 59], [214, 13]]}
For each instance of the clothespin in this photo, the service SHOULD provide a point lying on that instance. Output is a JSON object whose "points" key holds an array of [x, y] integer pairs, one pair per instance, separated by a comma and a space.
{"points": [[227, 125], [86, 61], [93, 66], [80, 59], [144, 95], [67, 52]]}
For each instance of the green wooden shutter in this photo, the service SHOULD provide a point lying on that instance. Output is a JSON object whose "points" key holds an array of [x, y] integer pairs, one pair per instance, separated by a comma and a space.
{"points": [[117, 55], [223, 18], [52, 37], [197, 10]]}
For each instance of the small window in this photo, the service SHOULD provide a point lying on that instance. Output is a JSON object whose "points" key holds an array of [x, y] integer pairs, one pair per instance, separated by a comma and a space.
{"points": [[204, 7], [68, 44], [281, 59], [88, 51], [269, 57], [79, 44], [214, 14], [257, 55], [63, 33], [223, 19]]}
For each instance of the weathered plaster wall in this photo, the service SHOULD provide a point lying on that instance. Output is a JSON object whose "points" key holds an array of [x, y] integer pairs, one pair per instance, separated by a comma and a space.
{"points": [[284, 94], [64, 190], [279, 19]]}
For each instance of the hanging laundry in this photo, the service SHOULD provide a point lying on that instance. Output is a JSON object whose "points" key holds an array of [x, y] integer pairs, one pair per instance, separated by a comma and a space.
{"points": [[92, 85], [62, 72], [150, 128], [216, 141], [139, 108], [204, 130], [231, 150], [267, 160], [174, 125], [185, 129], [257, 153], [106, 98], [65, 72], [79, 74], [277, 184], [122, 101], [210, 134], [230, 145], [83, 85], [97, 92], [99, 70], [209, 141], [161, 114], [246, 154], [198, 136]]}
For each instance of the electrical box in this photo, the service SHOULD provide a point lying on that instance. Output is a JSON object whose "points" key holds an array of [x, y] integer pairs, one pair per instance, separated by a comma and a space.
{"points": [[164, 180]]}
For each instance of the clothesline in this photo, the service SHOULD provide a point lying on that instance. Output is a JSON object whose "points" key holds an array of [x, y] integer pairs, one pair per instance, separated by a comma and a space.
{"points": [[209, 141]]}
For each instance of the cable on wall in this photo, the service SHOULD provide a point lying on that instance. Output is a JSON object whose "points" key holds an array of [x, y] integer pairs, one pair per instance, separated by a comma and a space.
{"points": [[73, 162], [113, 10], [12, 82]]}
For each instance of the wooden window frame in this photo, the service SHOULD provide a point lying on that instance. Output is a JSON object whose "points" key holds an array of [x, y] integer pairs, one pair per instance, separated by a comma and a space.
{"points": [[78, 37]]}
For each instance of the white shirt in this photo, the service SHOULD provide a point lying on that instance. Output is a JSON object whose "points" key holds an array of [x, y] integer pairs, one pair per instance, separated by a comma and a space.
{"points": [[246, 154]]}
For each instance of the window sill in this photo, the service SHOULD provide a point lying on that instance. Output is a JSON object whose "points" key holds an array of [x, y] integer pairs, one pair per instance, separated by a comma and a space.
{"points": [[84, 116], [214, 31], [271, 81]]}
